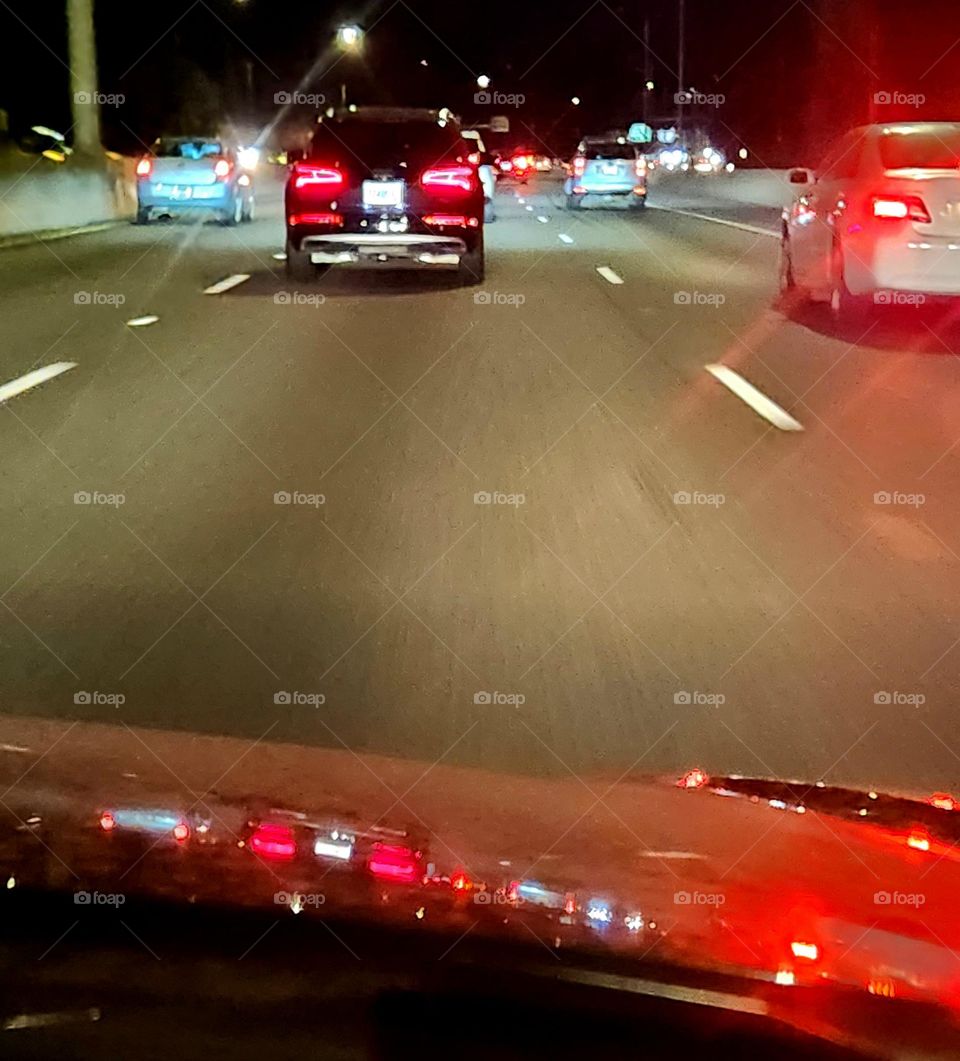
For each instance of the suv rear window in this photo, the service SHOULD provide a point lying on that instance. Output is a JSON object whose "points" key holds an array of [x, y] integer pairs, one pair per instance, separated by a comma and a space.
{"points": [[608, 149], [190, 149], [921, 150], [388, 144]]}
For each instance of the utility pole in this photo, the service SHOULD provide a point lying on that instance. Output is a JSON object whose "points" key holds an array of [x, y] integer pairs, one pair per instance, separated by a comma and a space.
{"points": [[85, 98], [646, 67], [681, 50]]}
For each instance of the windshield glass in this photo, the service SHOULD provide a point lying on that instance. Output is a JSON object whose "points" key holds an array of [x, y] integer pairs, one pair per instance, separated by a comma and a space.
{"points": [[921, 150], [386, 144], [194, 150]]}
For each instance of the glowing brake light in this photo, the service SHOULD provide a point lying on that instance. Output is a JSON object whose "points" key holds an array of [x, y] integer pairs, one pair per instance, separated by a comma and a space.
{"points": [[394, 862], [460, 882], [474, 158], [808, 951], [918, 841], [458, 220], [640, 166], [306, 176], [181, 832], [144, 166], [275, 843], [693, 779], [943, 801], [448, 178], [579, 165], [107, 821], [316, 219], [900, 207], [221, 169]]}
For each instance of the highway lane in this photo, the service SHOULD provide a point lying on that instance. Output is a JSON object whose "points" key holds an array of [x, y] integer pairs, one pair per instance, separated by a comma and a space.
{"points": [[783, 601]]}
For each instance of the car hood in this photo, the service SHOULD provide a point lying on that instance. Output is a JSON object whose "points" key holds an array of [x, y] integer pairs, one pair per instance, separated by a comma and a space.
{"points": [[783, 884]]}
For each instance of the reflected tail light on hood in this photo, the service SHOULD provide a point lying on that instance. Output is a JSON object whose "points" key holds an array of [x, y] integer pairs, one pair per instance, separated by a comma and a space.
{"points": [[395, 862], [458, 179], [144, 167], [900, 208], [273, 842], [324, 178]]}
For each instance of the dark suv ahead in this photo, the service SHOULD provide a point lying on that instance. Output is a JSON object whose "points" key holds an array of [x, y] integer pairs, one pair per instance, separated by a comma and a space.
{"points": [[383, 184]]}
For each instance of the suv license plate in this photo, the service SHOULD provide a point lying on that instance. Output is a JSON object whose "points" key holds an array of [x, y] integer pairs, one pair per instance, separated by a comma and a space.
{"points": [[383, 193]]}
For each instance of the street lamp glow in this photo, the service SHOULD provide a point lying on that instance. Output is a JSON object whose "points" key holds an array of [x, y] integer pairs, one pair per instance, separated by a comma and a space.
{"points": [[649, 86], [483, 81], [575, 101], [349, 37]]}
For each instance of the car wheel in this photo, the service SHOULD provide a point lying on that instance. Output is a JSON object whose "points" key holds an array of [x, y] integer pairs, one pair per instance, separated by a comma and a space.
{"points": [[845, 308], [248, 210], [233, 215], [639, 202], [299, 266], [489, 213], [143, 216], [786, 281], [573, 202], [471, 269]]}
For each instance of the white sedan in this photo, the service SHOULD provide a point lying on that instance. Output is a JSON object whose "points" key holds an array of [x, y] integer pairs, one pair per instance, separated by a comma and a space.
{"points": [[879, 222]]}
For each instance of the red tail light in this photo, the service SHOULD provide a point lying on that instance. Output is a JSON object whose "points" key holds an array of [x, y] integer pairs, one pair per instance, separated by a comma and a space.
{"points": [[107, 821], [640, 166], [222, 169], [144, 166], [458, 220], [275, 843], [449, 179], [807, 951], [901, 207], [943, 801], [474, 158], [327, 177], [521, 162], [181, 832], [695, 778], [315, 219], [579, 165], [394, 862]]}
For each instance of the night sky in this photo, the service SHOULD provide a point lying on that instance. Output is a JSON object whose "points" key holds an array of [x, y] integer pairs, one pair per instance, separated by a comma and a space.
{"points": [[792, 74]]}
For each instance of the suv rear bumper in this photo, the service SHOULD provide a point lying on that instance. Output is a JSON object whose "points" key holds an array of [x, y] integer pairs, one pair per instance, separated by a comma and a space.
{"points": [[340, 247]]}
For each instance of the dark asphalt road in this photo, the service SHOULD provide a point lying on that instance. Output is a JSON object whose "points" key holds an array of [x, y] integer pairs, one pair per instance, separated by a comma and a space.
{"points": [[786, 590]]}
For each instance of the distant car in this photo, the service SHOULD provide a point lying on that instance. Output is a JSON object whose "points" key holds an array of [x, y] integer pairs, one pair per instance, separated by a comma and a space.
{"points": [[182, 174], [879, 222], [607, 170], [385, 184]]}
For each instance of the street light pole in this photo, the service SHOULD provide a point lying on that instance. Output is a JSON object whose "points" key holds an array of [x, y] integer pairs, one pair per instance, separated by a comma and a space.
{"points": [[681, 49], [84, 98]]}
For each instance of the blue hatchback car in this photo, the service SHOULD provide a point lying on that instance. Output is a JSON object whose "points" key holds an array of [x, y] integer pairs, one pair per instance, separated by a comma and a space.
{"points": [[187, 173], [607, 170]]}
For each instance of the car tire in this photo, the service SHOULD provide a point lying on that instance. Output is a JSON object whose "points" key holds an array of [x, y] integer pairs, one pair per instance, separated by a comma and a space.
{"points": [[298, 265], [246, 214], [489, 213], [573, 202], [143, 216], [472, 267], [846, 309], [639, 202], [786, 281], [233, 215]]}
